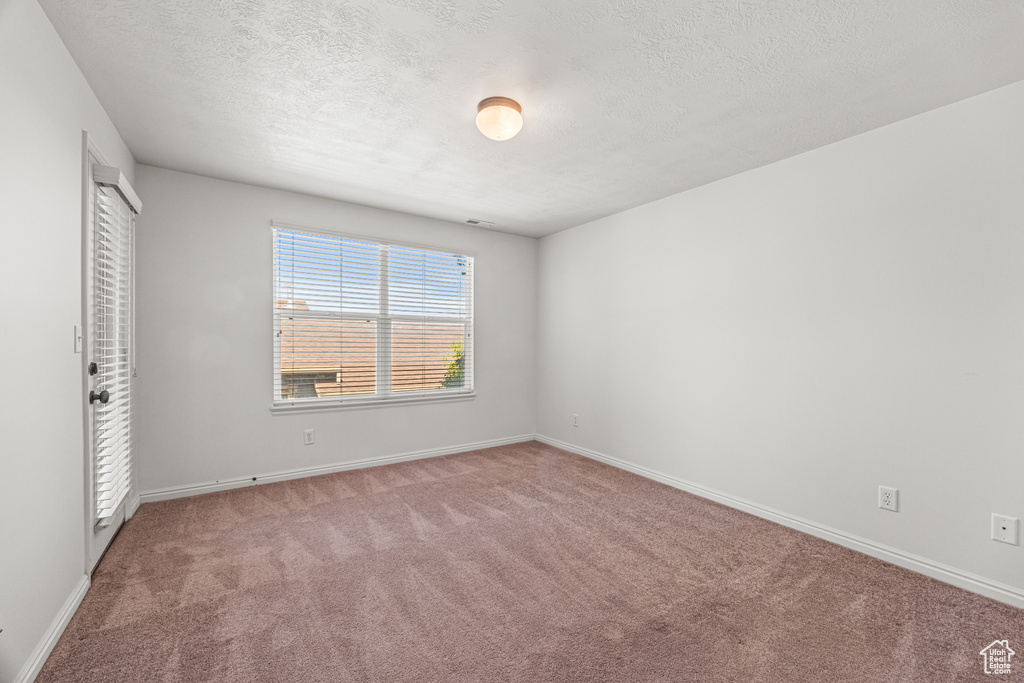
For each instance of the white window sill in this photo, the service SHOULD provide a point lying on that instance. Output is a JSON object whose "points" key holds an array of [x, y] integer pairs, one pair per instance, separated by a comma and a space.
{"points": [[327, 404]]}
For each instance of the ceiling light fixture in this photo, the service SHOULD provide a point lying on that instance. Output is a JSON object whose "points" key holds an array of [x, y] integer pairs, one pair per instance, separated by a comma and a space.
{"points": [[499, 118]]}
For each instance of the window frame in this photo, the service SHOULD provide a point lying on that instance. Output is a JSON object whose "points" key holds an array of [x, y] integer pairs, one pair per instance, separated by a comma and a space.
{"points": [[384, 323]]}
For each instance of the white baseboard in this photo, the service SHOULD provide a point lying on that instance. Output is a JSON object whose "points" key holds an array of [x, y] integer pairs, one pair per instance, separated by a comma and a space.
{"points": [[134, 501], [225, 484], [53, 634], [966, 580]]}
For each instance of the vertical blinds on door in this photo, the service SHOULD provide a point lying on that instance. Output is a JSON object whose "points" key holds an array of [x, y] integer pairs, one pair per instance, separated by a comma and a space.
{"points": [[113, 234], [358, 320]]}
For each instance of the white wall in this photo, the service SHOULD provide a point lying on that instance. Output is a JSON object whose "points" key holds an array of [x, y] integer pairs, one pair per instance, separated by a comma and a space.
{"points": [[801, 333], [205, 337], [46, 105]]}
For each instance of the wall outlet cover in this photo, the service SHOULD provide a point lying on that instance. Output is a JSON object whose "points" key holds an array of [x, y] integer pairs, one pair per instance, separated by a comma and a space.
{"points": [[1004, 529], [889, 498], [309, 437]]}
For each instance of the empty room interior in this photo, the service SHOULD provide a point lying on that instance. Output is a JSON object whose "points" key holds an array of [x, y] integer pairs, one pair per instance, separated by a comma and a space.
{"points": [[476, 340]]}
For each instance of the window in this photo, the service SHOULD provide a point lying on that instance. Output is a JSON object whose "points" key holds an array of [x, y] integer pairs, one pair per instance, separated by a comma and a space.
{"points": [[358, 321]]}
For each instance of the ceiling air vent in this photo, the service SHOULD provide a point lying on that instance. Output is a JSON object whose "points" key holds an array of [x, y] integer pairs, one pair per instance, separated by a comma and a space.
{"points": [[482, 224]]}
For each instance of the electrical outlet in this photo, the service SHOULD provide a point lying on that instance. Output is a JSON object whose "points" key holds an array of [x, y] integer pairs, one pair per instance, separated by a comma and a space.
{"points": [[1004, 529], [309, 437], [575, 419], [888, 498]]}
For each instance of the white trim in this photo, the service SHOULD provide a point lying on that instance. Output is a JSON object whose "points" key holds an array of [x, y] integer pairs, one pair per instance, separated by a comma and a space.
{"points": [[53, 634], [321, 404], [384, 326], [134, 501], [239, 482], [936, 570]]}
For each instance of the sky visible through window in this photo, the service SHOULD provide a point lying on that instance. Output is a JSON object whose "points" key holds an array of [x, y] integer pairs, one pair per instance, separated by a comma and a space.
{"points": [[342, 276]]}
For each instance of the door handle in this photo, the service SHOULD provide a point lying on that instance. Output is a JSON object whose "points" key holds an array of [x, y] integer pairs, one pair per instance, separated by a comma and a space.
{"points": [[102, 397]]}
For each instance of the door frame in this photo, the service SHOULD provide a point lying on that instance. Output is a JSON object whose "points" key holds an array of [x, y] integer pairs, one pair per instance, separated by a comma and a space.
{"points": [[96, 541]]}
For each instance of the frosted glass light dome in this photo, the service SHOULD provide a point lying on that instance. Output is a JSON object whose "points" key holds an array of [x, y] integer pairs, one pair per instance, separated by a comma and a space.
{"points": [[499, 118]]}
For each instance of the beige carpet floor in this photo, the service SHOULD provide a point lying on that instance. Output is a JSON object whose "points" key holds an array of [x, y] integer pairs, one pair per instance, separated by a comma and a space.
{"points": [[518, 563]]}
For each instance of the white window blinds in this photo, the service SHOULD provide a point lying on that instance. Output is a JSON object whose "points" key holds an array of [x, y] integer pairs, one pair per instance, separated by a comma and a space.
{"points": [[113, 234], [356, 320]]}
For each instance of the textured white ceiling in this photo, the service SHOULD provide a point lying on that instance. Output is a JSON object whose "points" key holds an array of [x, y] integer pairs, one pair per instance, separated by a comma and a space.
{"points": [[373, 101]]}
